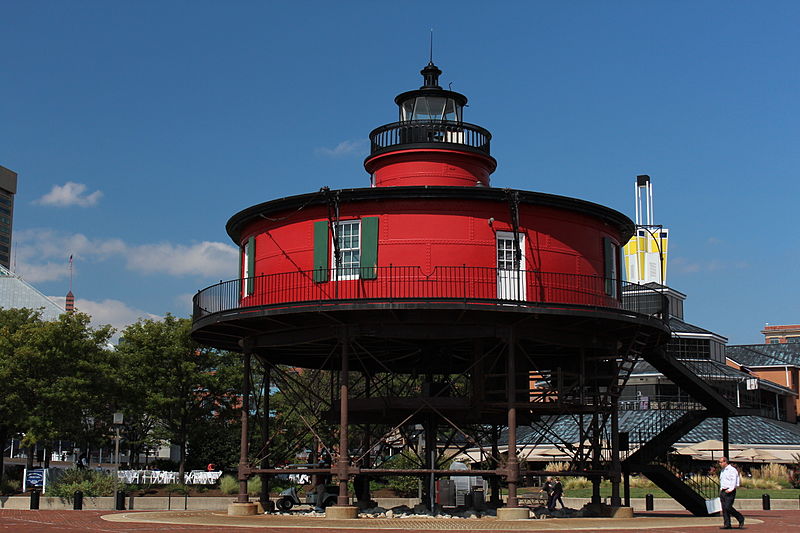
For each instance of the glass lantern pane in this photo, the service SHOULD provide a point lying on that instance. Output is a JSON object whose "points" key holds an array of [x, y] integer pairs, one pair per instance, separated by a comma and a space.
{"points": [[407, 110]]}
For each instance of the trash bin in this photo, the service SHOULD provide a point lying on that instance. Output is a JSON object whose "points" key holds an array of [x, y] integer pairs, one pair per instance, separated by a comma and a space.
{"points": [[446, 493], [77, 501]]}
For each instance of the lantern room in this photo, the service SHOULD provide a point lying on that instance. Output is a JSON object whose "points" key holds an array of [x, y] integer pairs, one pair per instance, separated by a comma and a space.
{"points": [[430, 102], [430, 144]]}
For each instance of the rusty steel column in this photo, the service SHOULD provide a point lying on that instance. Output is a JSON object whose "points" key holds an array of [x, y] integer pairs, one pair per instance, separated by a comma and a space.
{"points": [[494, 482], [343, 464], [512, 466], [244, 468], [616, 466], [265, 442], [726, 443], [595, 440]]}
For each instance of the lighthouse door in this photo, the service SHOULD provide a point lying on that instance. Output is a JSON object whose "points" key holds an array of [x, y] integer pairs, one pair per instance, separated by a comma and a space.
{"points": [[510, 277]]}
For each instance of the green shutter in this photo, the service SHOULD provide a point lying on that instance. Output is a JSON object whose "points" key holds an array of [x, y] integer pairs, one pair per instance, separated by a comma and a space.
{"points": [[251, 264], [369, 248], [608, 258], [242, 251], [321, 254]]}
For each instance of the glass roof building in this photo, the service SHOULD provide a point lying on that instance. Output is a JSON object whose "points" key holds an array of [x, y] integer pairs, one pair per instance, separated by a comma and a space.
{"points": [[16, 293]]}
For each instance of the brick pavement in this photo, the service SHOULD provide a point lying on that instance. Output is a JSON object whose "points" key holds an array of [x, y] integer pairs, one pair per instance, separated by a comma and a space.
{"points": [[24, 521]]}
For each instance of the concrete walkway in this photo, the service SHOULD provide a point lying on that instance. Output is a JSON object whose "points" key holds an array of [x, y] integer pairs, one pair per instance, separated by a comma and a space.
{"points": [[638, 523], [20, 521]]}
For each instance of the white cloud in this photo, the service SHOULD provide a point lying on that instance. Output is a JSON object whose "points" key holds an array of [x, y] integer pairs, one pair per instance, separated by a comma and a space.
{"points": [[43, 255], [114, 312], [344, 148], [183, 302], [70, 194], [686, 266], [205, 258]]}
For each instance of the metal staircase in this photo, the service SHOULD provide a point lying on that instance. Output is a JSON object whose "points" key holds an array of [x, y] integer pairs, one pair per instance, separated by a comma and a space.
{"points": [[692, 492], [712, 391], [625, 364], [657, 438], [715, 395]]}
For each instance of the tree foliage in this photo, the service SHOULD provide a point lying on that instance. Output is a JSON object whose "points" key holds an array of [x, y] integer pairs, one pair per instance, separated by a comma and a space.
{"points": [[63, 380], [173, 382], [53, 375]]}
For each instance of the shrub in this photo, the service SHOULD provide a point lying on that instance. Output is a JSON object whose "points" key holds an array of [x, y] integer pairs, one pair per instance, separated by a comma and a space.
{"points": [[641, 482], [557, 467], [404, 486], [10, 486], [773, 472], [178, 488], [759, 483], [90, 482], [253, 486], [229, 484], [573, 483]]}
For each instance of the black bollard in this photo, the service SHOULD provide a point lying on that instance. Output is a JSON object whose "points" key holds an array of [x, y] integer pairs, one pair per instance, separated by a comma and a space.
{"points": [[34, 499], [120, 501], [648, 502], [77, 501], [765, 502]]}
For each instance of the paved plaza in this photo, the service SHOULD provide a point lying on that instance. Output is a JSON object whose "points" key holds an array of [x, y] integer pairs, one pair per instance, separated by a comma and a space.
{"points": [[25, 521]]}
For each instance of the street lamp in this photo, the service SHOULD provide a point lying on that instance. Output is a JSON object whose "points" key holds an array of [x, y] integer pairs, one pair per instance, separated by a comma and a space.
{"points": [[118, 421]]}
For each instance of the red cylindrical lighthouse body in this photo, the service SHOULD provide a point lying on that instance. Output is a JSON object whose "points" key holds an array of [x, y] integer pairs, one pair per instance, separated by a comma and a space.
{"points": [[430, 167]]}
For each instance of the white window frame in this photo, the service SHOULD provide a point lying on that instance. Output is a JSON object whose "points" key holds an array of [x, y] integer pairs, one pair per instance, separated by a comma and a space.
{"points": [[351, 271], [511, 282], [249, 286]]}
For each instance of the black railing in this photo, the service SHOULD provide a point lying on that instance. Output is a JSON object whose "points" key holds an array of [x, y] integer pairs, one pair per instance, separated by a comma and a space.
{"points": [[703, 484], [649, 430], [719, 377], [660, 402], [475, 285], [429, 131]]}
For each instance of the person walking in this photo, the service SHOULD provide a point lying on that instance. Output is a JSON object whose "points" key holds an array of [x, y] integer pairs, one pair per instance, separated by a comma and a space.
{"points": [[548, 489], [558, 491], [728, 481]]}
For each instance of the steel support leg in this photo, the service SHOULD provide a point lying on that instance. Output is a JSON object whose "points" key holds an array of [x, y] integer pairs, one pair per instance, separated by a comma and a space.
{"points": [[343, 465], [265, 383], [726, 443], [244, 468], [430, 461], [494, 482], [512, 466], [595, 439], [616, 467]]}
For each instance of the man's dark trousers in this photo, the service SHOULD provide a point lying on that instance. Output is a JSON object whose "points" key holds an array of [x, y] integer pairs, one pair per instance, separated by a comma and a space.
{"points": [[726, 500]]}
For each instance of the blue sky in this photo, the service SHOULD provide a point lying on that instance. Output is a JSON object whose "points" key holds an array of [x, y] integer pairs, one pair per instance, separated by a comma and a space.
{"points": [[138, 128]]}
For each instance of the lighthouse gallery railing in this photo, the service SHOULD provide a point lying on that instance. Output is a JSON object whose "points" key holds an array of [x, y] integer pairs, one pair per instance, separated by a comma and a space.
{"points": [[429, 131], [474, 285]]}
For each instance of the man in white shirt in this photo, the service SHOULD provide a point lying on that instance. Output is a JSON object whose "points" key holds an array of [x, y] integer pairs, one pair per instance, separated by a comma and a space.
{"points": [[728, 481]]}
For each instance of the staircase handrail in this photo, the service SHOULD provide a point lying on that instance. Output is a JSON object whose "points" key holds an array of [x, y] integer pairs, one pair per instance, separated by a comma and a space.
{"points": [[701, 483]]}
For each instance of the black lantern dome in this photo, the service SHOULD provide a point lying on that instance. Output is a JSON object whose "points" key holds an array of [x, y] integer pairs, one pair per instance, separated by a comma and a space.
{"points": [[430, 102]]}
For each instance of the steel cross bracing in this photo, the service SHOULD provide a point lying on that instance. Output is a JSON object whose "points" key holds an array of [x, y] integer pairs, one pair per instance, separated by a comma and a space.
{"points": [[386, 386], [571, 381]]}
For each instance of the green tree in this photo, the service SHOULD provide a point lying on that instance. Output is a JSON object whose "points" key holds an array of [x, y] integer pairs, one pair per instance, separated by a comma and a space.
{"points": [[54, 376], [214, 437], [11, 412], [174, 382]]}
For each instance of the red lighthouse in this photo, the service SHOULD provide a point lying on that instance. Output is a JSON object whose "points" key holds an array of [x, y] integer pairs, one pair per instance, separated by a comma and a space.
{"points": [[436, 300]]}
